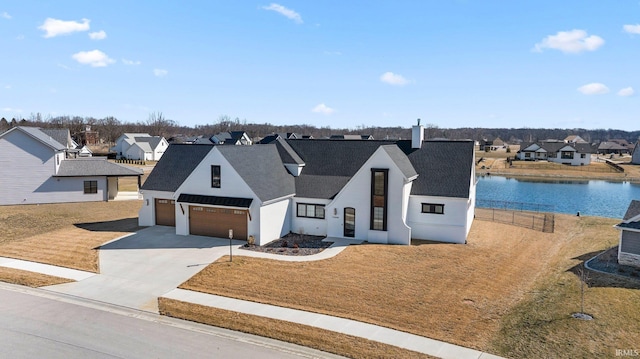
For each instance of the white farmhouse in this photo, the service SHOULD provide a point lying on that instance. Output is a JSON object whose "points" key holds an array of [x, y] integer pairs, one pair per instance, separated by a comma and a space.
{"points": [[140, 146], [376, 191], [572, 153]]}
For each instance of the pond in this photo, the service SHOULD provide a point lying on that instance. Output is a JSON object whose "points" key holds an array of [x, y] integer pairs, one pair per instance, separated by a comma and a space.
{"points": [[589, 197]]}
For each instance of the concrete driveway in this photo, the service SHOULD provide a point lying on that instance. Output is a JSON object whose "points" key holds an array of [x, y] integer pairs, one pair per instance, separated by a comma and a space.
{"points": [[137, 269]]}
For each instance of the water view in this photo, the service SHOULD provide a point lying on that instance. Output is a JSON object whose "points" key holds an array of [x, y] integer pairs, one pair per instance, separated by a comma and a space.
{"points": [[589, 197]]}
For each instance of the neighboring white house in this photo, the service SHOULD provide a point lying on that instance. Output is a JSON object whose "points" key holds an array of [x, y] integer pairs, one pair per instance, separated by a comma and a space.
{"points": [[36, 167], [635, 154], [575, 154], [629, 245], [376, 191], [140, 146]]}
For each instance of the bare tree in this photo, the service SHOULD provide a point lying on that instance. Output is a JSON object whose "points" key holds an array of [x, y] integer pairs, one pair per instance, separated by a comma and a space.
{"points": [[158, 125]]}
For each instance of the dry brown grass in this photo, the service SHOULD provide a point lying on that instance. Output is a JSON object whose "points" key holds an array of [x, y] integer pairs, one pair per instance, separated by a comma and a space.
{"points": [[64, 234], [454, 293], [30, 279], [316, 338]]}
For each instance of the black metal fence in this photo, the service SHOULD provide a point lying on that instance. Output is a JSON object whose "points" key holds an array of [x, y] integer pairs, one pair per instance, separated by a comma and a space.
{"points": [[514, 206], [529, 215], [131, 162]]}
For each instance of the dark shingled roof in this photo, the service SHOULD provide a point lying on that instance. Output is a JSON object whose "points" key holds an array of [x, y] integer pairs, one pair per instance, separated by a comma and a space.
{"points": [[176, 164], [94, 166], [313, 186], [287, 154], [632, 225], [401, 160], [61, 136], [633, 210], [445, 167], [215, 200], [551, 147], [262, 169]]}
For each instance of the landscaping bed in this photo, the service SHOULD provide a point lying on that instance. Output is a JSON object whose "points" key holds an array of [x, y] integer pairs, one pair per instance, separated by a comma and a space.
{"points": [[293, 244]]}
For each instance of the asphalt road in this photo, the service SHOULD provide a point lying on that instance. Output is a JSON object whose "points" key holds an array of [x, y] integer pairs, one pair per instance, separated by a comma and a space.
{"points": [[39, 324]]}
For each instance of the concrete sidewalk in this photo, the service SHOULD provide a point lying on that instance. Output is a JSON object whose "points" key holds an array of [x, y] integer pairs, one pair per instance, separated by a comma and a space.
{"points": [[137, 269], [335, 324]]}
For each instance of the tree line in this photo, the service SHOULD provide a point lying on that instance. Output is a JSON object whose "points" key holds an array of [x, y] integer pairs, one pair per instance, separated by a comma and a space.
{"points": [[110, 128]]}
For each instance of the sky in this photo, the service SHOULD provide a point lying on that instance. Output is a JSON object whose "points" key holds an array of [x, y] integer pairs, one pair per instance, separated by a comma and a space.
{"points": [[341, 64]]}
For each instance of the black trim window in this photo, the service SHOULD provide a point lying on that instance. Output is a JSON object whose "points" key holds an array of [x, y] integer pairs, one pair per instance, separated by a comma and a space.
{"points": [[379, 191], [215, 176], [90, 187], [433, 208], [567, 155], [310, 210]]}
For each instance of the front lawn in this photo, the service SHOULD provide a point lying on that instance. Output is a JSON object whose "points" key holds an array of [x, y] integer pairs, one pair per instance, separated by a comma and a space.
{"points": [[475, 295]]}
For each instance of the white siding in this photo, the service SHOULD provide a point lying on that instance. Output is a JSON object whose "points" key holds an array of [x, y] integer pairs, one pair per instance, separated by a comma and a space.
{"points": [[147, 213], [159, 151], [311, 226], [452, 226], [231, 185], [357, 194], [275, 221]]}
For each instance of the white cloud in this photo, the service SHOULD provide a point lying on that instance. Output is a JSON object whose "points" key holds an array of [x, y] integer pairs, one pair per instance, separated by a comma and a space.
{"points": [[55, 27], [98, 35], [95, 58], [627, 91], [131, 62], [594, 88], [6, 15], [393, 79], [632, 29], [160, 72], [9, 109], [323, 109], [572, 42], [285, 12]]}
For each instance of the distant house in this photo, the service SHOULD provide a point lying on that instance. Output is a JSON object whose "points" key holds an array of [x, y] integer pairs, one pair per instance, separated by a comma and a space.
{"points": [[140, 146], [612, 147], [485, 145], [574, 139], [232, 138], [375, 191], [498, 144], [635, 154], [351, 137], [629, 245], [87, 137], [575, 154], [38, 166], [273, 137]]}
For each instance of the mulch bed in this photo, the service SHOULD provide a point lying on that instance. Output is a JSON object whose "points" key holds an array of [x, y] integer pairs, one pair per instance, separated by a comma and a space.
{"points": [[607, 262], [292, 244]]}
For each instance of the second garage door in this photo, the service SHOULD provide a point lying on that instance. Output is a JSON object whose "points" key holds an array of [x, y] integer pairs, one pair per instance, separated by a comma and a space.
{"points": [[165, 212], [216, 222]]}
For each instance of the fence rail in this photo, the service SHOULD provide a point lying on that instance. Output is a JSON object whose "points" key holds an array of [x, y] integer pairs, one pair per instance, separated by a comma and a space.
{"points": [[543, 222], [131, 162], [514, 206]]}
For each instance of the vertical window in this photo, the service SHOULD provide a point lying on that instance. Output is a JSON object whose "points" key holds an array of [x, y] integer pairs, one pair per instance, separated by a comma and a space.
{"points": [[379, 189], [90, 187], [215, 176]]}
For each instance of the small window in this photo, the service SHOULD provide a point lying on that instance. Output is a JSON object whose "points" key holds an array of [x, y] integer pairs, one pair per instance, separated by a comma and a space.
{"points": [[90, 187], [433, 208], [310, 210], [215, 176], [582, 155]]}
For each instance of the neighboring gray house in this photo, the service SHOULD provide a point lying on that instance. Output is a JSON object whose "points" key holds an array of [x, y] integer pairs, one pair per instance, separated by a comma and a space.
{"points": [[629, 245], [37, 166], [375, 191]]}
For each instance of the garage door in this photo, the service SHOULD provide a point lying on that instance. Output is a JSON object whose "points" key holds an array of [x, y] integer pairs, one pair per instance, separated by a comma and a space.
{"points": [[165, 212], [216, 222]]}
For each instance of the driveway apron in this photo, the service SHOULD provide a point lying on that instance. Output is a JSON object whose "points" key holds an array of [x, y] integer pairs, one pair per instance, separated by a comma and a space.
{"points": [[137, 269]]}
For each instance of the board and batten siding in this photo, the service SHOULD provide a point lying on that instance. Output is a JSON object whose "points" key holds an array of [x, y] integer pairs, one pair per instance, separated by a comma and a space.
{"points": [[27, 167]]}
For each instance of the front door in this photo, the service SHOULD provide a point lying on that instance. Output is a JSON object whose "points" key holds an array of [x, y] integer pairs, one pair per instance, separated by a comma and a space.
{"points": [[349, 222]]}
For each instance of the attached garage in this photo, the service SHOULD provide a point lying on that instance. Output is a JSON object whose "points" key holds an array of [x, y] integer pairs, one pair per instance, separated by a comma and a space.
{"points": [[216, 222], [165, 212], [213, 216]]}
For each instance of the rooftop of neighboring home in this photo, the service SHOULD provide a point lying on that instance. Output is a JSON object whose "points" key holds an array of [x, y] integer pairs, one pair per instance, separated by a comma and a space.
{"points": [[633, 211], [552, 146]]}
